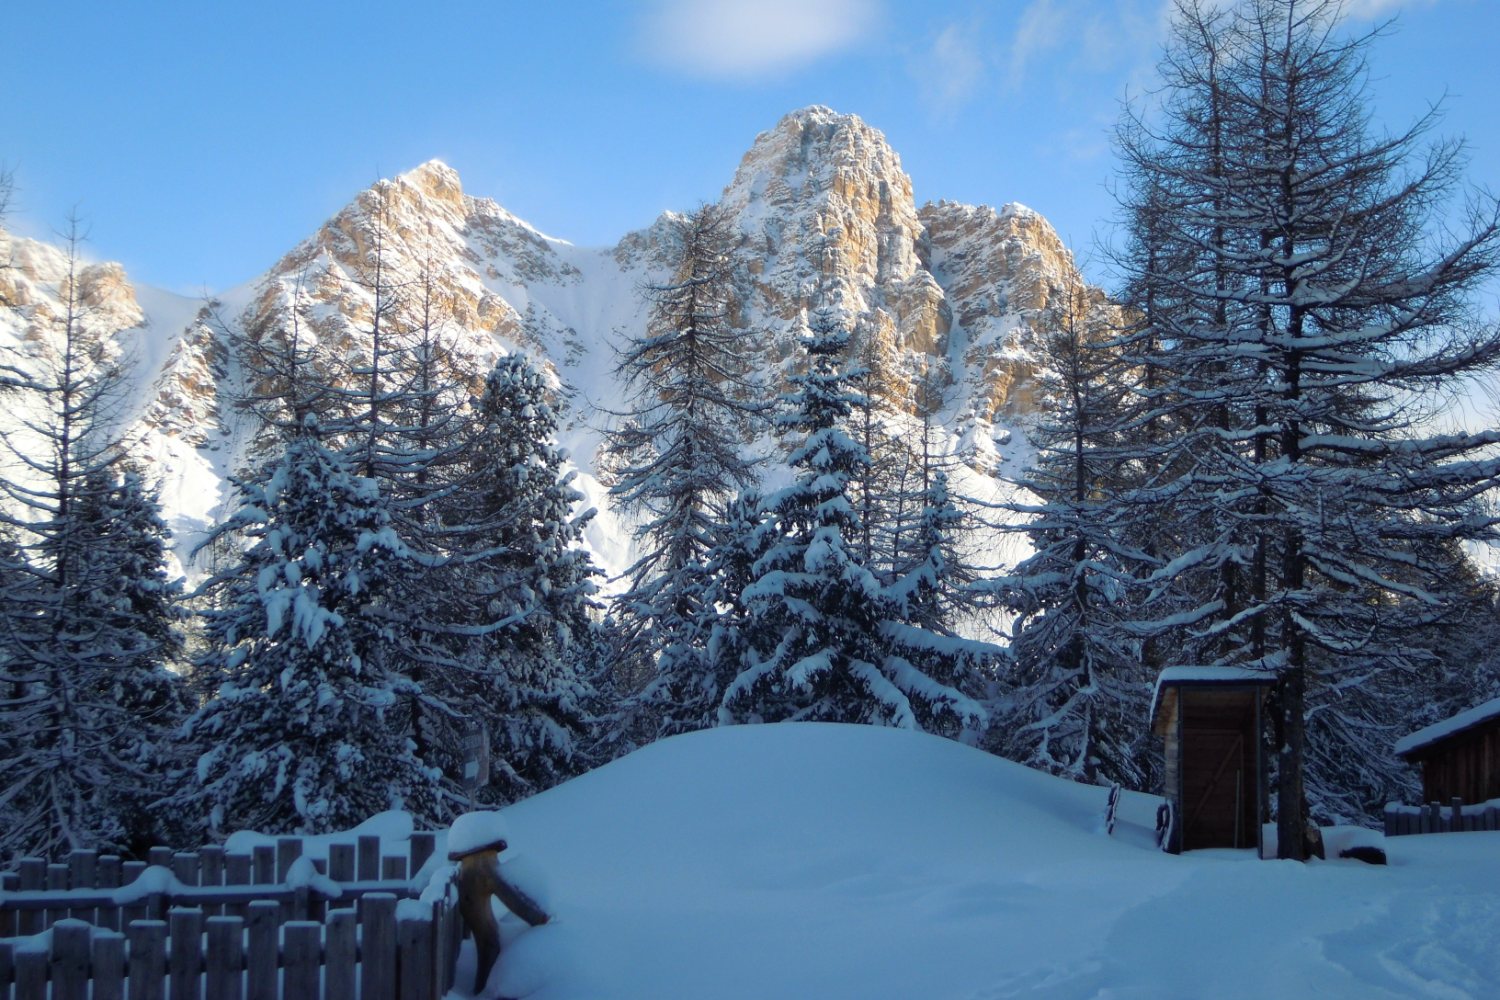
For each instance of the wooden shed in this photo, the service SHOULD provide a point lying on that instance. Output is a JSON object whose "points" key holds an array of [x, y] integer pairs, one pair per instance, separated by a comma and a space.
{"points": [[1210, 720], [1459, 757]]}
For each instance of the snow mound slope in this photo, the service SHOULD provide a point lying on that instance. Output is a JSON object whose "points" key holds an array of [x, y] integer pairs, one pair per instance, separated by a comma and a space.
{"points": [[824, 861]]}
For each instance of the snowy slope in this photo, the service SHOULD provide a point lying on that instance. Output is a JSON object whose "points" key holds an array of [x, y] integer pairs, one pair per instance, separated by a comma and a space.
{"points": [[818, 861]]}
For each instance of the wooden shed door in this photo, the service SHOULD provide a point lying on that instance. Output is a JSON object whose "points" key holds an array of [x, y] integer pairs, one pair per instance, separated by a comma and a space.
{"points": [[1217, 785]]}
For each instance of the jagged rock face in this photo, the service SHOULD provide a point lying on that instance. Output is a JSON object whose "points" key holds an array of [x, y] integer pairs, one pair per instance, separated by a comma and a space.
{"points": [[33, 283], [822, 200], [953, 291]]}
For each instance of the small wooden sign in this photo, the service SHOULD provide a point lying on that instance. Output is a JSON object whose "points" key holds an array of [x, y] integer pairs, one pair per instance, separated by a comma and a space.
{"points": [[475, 746]]}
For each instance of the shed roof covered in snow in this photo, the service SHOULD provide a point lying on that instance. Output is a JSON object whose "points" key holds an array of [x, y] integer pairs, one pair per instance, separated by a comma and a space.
{"points": [[1163, 703], [1422, 739]]}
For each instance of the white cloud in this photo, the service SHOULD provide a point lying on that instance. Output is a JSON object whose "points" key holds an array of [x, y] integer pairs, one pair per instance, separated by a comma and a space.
{"points": [[739, 39], [1042, 28], [951, 70], [1369, 10]]}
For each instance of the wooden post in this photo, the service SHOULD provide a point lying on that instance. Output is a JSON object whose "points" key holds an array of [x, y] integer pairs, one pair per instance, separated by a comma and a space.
{"points": [[261, 981], [263, 865], [31, 974], [393, 868], [186, 959], [109, 966], [7, 968], [414, 958], [129, 872], [369, 857], [57, 881], [9, 882], [1456, 821], [148, 959], [341, 955], [107, 876], [160, 856], [303, 944], [70, 959], [211, 873], [341, 863], [83, 871], [377, 949], [32, 875], [226, 958], [288, 849], [422, 846], [186, 867]]}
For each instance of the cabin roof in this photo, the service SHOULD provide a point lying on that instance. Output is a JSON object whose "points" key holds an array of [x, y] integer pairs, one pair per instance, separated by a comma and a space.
{"points": [[1173, 678], [1437, 732]]}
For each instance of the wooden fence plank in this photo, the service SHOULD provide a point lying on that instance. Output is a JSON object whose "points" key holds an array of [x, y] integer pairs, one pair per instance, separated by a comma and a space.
{"points": [[340, 955], [148, 959], [9, 882], [414, 958], [70, 959], [109, 966], [83, 871], [303, 943], [393, 868], [226, 958], [422, 846], [57, 879], [369, 857], [129, 872], [108, 877], [288, 849], [7, 968], [377, 947], [160, 855], [261, 981], [341, 863], [31, 974], [186, 867], [31, 874], [186, 959], [263, 865]]}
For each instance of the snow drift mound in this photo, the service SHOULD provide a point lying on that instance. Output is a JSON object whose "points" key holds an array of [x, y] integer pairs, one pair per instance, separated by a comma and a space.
{"points": [[820, 861]]}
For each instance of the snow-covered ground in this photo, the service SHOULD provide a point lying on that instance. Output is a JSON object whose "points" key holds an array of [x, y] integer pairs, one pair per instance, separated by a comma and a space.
{"points": [[819, 861]]}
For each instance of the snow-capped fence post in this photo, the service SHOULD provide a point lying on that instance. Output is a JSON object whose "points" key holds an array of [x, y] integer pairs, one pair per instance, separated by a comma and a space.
{"points": [[70, 959], [377, 966], [32, 873], [107, 876], [31, 974], [185, 961], [262, 920], [226, 958], [109, 966], [340, 955], [304, 942], [414, 957], [148, 960]]}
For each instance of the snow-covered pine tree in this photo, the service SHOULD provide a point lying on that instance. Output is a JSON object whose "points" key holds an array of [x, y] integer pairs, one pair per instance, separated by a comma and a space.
{"points": [[1073, 694], [820, 641], [1309, 319], [518, 621], [83, 696], [682, 459], [296, 734]]}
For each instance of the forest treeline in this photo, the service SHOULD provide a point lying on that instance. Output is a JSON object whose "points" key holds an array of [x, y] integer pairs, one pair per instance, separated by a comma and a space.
{"points": [[1242, 460]]}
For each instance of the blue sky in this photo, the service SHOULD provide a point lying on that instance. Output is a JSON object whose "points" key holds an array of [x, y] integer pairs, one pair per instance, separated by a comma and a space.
{"points": [[200, 140]]}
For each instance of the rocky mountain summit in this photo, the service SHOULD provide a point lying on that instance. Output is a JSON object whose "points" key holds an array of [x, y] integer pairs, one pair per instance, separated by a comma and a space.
{"points": [[951, 293]]}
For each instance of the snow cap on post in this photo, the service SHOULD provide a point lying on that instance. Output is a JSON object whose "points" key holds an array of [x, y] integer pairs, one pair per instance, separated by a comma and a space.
{"points": [[474, 832]]}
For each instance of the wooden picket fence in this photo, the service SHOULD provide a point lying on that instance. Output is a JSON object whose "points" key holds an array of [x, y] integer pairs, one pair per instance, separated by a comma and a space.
{"points": [[1401, 820], [223, 926]]}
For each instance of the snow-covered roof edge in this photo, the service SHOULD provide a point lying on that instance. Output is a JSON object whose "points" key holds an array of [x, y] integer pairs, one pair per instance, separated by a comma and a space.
{"points": [[1448, 727], [1178, 676]]}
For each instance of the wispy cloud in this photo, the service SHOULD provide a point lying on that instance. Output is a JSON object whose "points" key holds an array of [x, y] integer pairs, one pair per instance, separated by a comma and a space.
{"points": [[745, 39], [951, 70], [1369, 10], [1083, 37]]}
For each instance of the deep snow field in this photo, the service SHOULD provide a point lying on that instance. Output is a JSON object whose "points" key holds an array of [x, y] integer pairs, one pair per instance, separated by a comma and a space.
{"points": [[820, 861]]}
